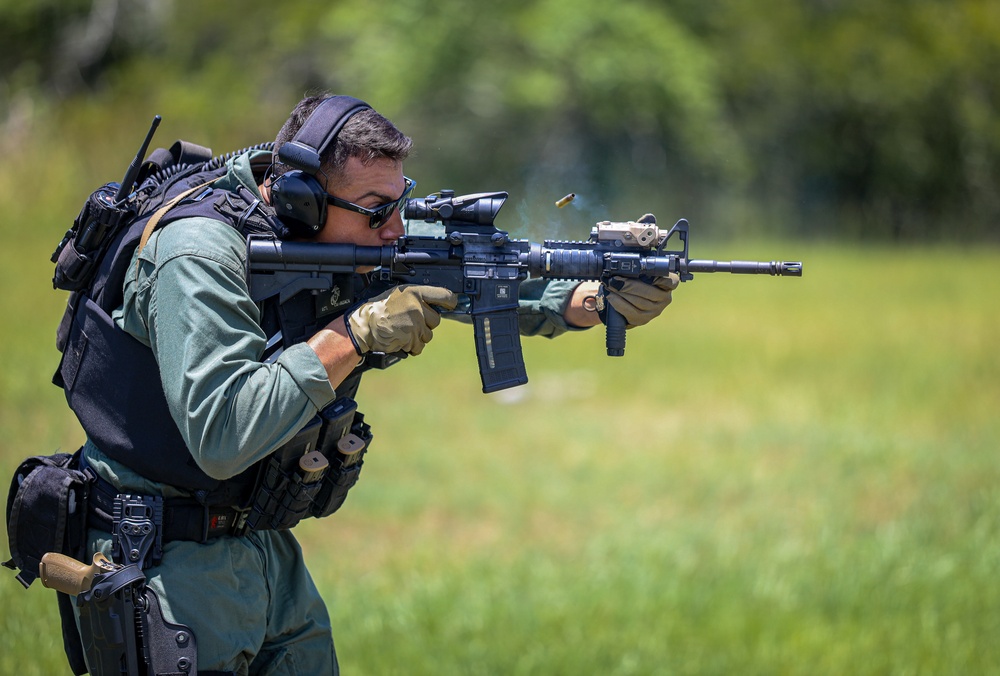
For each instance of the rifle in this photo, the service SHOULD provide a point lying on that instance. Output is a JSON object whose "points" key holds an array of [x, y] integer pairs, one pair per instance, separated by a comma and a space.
{"points": [[477, 260]]}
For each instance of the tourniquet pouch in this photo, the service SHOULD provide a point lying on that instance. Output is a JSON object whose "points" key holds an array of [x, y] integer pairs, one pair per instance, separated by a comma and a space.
{"points": [[46, 511], [311, 474]]}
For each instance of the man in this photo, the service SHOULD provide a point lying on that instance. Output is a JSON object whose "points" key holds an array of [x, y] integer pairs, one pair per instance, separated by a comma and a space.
{"points": [[236, 402]]}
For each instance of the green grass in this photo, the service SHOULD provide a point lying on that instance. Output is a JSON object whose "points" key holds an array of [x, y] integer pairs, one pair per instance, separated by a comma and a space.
{"points": [[782, 476]]}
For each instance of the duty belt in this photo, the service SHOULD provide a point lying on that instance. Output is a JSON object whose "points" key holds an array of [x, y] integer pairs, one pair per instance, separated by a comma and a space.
{"points": [[182, 518]]}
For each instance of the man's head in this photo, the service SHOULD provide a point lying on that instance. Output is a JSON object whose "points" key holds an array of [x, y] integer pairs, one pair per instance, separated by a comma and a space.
{"points": [[362, 168]]}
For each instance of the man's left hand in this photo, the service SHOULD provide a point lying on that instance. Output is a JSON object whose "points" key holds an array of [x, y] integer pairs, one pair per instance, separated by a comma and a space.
{"points": [[639, 302]]}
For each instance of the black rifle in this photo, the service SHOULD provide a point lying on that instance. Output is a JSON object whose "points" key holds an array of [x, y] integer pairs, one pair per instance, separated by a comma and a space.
{"points": [[475, 259]]}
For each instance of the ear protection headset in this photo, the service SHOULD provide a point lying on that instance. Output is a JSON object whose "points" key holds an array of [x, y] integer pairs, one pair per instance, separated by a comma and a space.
{"points": [[297, 196]]}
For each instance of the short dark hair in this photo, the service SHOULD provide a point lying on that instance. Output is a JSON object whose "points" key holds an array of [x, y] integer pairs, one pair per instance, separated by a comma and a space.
{"points": [[367, 135]]}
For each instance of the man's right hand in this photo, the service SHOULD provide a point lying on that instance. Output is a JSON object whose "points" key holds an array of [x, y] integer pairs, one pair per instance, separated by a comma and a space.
{"points": [[399, 320]]}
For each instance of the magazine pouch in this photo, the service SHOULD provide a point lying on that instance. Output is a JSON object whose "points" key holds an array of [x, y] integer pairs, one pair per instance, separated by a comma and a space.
{"points": [[311, 474]]}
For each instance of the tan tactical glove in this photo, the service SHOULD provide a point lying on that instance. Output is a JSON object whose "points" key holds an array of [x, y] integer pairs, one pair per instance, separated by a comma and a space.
{"points": [[399, 320], [638, 301]]}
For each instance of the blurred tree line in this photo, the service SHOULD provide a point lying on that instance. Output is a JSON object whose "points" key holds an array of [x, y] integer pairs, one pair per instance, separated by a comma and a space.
{"points": [[810, 117]]}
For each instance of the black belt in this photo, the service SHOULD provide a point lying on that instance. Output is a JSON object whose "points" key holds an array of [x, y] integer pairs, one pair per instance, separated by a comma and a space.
{"points": [[183, 518]]}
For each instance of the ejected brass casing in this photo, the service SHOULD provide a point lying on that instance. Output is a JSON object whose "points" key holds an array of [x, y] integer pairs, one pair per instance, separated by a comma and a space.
{"points": [[566, 200]]}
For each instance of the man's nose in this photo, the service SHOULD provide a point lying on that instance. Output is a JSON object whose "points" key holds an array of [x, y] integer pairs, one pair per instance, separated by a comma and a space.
{"points": [[393, 228]]}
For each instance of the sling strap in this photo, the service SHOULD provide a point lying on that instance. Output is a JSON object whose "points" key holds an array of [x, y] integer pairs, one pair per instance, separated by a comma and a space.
{"points": [[154, 220]]}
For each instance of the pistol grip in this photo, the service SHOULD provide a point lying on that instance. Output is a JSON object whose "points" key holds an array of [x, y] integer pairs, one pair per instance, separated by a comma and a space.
{"points": [[498, 348], [66, 574]]}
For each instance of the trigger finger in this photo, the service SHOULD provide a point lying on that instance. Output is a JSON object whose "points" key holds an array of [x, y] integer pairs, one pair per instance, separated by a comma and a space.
{"points": [[439, 297]]}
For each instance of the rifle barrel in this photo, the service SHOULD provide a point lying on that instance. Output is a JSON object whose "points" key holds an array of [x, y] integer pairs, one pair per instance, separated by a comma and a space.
{"points": [[773, 268]]}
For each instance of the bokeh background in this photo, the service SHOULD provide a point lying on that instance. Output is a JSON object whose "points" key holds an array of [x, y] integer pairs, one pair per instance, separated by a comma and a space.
{"points": [[781, 476]]}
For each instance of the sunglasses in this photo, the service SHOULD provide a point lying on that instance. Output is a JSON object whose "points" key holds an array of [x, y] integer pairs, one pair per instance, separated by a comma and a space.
{"points": [[380, 215]]}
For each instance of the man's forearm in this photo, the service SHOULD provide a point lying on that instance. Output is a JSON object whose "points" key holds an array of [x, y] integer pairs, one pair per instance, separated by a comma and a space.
{"points": [[335, 349]]}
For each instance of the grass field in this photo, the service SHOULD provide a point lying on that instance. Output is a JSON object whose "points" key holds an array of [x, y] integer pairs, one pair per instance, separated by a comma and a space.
{"points": [[782, 476]]}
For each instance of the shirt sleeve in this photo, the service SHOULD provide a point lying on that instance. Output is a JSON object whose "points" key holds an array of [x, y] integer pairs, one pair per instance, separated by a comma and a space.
{"points": [[187, 298], [541, 306]]}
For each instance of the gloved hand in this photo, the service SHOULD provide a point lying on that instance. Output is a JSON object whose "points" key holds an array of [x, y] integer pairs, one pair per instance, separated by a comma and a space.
{"points": [[636, 300], [401, 319]]}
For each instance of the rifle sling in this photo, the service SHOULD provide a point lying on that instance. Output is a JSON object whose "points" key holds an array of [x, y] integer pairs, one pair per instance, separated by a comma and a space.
{"points": [[154, 220]]}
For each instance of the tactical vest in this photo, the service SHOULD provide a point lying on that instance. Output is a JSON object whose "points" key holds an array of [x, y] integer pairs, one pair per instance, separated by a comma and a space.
{"points": [[111, 380]]}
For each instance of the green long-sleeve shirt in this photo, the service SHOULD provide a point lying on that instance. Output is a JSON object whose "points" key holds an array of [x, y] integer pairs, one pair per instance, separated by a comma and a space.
{"points": [[186, 297]]}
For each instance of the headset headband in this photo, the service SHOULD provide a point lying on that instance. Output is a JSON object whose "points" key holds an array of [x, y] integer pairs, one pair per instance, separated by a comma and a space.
{"points": [[320, 129]]}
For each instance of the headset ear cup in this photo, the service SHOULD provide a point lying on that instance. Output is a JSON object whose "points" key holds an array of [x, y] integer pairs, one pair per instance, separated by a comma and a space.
{"points": [[300, 202]]}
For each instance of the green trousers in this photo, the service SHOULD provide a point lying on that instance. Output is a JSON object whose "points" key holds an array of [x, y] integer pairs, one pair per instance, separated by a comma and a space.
{"points": [[250, 602]]}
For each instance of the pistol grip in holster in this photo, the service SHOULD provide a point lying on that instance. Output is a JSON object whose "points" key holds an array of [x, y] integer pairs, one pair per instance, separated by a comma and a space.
{"points": [[122, 628]]}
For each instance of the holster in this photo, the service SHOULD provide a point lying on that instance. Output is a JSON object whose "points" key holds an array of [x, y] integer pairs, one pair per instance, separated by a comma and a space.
{"points": [[125, 632]]}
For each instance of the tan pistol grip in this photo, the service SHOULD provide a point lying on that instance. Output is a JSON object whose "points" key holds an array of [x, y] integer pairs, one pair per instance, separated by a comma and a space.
{"points": [[66, 574]]}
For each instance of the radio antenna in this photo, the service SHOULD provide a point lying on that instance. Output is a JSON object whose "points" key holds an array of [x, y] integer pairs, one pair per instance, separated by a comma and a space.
{"points": [[133, 169]]}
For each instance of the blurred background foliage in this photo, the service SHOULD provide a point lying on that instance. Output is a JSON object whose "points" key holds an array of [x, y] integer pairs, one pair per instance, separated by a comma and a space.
{"points": [[823, 118], [819, 491]]}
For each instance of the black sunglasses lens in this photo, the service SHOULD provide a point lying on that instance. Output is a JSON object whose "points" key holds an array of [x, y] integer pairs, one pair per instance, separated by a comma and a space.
{"points": [[382, 215]]}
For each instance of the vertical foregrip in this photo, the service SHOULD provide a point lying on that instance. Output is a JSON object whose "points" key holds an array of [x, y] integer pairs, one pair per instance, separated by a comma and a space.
{"points": [[498, 347], [615, 338]]}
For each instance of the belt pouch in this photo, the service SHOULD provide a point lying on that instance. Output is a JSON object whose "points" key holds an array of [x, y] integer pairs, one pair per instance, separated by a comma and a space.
{"points": [[46, 511]]}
